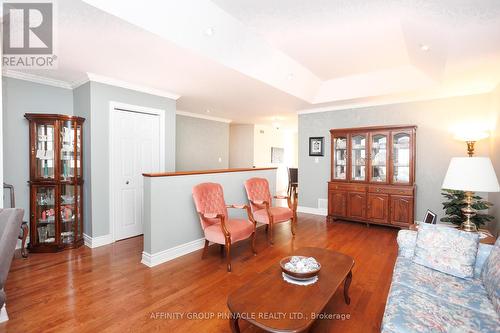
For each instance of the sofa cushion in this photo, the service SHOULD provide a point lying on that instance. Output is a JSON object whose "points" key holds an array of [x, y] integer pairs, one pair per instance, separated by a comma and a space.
{"points": [[408, 310], [470, 293], [491, 276], [446, 249]]}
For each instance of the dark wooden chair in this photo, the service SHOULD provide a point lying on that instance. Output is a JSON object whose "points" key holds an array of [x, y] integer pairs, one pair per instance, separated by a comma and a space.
{"points": [[293, 181]]}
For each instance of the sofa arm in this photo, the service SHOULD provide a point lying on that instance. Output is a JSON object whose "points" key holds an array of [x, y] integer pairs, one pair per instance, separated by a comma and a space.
{"points": [[406, 242], [483, 252]]}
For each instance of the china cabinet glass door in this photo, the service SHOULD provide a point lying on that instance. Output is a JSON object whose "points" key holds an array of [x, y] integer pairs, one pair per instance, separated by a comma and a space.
{"points": [[67, 133], [340, 157], [45, 214], [401, 158], [358, 157], [378, 157], [44, 154], [67, 211]]}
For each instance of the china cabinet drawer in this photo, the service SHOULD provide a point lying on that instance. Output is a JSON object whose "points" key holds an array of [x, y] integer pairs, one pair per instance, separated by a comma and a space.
{"points": [[391, 190], [347, 187]]}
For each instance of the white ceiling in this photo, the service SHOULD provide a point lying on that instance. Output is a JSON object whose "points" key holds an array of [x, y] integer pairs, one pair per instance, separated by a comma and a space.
{"points": [[268, 59]]}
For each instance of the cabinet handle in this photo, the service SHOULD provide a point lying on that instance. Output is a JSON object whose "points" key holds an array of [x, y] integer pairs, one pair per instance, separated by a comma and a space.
{"points": [[127, 182], [378, 190]]}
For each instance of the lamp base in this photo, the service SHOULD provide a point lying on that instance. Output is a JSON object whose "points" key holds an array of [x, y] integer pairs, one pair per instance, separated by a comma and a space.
{"points": [[469, 213]]}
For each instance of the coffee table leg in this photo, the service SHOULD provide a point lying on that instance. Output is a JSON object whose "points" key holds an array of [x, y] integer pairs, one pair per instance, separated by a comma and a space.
{"points": [[233, 323], [347, 283]]}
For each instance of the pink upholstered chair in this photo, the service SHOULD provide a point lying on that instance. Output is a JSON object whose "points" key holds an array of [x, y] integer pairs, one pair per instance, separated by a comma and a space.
{"points": [[262, 210], [215, 222]]}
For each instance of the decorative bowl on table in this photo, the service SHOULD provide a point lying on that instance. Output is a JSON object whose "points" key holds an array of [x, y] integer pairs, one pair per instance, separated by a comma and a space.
{"points": [[300, 267]]}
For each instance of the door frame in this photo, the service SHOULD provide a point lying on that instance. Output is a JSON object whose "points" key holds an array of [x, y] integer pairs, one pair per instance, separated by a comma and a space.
{"points": [[124, 107]]}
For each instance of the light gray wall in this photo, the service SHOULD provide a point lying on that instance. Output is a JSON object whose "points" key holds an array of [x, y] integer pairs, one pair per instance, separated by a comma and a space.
{"points": [[170, 215], [81, 108], [100, 96], [435, 143], [20, 97], [200, 143], [241, 146]]}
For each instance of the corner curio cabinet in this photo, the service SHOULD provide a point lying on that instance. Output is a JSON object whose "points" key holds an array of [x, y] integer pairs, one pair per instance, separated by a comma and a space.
{"points": [[373, 175], [56, 182]]}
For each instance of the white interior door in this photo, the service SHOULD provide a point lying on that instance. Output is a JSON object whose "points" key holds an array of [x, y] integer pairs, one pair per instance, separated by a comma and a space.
{"points": [[136, 150]]}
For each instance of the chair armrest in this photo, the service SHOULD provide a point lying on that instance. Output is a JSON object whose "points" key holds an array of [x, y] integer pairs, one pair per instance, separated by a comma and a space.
{"points": [[222, 219], [249, 212], [259, 202], [237, 206], [407, 240]]}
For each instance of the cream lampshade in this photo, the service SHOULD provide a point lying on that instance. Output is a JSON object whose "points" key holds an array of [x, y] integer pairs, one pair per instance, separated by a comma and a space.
{"points": [[471, 174]]}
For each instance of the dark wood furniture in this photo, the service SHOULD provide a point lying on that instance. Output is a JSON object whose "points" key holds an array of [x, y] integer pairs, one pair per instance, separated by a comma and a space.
{"points": [[274, 305], [373, 175], [293, 180], [56, 182]]}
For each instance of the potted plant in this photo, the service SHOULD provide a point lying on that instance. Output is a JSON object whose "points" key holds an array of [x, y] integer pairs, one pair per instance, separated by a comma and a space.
{"points": [[454, 204]]}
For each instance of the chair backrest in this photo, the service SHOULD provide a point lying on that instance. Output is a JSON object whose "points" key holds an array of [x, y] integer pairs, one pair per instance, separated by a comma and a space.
{"points": [[293, 175], [10, 224], [258, 189], [209, 199]]}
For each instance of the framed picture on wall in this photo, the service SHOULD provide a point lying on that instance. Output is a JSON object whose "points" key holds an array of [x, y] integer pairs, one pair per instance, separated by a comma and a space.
{"points": [[316, 146], [430, 217]]}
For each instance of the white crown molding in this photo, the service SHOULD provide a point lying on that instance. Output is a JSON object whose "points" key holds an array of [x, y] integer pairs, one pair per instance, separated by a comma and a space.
{"points": [[36, 78], [202, 116], [310, 210], [94, 242], [396, 100], [158, 258], [122, 84]]}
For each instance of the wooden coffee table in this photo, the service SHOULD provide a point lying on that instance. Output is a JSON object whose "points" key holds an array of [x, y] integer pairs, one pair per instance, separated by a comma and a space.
{"points": [[272, 304]]}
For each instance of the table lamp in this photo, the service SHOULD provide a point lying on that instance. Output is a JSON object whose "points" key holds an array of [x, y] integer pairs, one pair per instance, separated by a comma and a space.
{"points": [[470, 174]]}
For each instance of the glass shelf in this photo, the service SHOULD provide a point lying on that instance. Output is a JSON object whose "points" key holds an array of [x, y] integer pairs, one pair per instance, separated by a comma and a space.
{"points": [[401, 158], [358, 157], [340, 158], [378, 158]]}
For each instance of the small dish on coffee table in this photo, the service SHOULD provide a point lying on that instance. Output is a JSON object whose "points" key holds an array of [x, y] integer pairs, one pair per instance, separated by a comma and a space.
{"points": [[300, 271]]}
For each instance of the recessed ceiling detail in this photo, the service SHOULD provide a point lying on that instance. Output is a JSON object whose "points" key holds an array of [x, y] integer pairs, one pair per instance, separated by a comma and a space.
{"points": [[248, 60]]}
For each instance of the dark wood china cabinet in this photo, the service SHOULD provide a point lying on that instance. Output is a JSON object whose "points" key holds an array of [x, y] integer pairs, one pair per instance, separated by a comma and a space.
{"points": [[373, 175], [56, 182]]}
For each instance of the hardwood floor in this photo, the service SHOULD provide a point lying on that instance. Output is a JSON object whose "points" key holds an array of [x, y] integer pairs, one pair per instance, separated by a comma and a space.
{"points": [[107, 289]]}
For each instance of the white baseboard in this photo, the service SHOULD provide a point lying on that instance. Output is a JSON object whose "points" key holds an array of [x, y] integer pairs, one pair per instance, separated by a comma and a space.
{"points": [[154, 259], [3, 314], [310, 210], [94, 242]]}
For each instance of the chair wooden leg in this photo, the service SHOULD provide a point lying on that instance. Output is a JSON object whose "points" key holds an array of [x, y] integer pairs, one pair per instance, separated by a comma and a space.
{"points": [[271, 239], [205, 250], [228, 254], [253, 244], [293, 222]]}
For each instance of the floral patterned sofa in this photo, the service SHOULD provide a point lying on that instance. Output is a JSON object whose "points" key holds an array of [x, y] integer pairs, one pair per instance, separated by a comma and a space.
{"points": [[422, 299]]}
